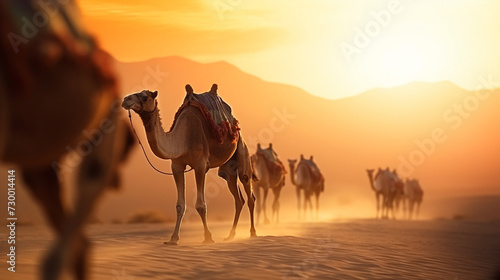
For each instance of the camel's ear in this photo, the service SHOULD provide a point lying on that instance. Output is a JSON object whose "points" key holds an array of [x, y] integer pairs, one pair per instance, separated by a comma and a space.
{"points": [[154, 94], [271, 145], [213, 90], [189, 89], [259, 147], [301, 157], [311, 158]]}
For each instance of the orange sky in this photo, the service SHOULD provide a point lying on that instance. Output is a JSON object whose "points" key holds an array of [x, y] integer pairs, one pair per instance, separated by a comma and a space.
{"points": [[330, 48]]}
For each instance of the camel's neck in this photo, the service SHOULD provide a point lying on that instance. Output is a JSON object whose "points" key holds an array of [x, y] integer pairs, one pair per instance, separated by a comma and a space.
{"points": [[292, 174], [370, 177], [163, 144]]}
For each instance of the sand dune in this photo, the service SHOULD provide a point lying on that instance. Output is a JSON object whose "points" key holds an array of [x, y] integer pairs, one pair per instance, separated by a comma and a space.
{"points": [[351, 249]]}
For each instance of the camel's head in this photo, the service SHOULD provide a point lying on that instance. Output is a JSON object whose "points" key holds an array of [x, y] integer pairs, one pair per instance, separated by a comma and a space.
{"points": [[143, 101], [292, 163], [370, 171]]}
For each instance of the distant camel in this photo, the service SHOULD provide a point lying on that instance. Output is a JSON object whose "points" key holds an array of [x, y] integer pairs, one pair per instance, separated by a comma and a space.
{"points": [[386, 184], [308, 178], [196, 140], [377, 190], [398, 193], [271, 175], [60, 112], [414, 195]]}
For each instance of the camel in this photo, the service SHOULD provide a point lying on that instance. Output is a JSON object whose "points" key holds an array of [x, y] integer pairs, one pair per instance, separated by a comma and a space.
{"points": [[388, 185], [191, 141], [307, 178], [60, 113], [413, 193], [271, 176], [378, 192], [398, 195]]}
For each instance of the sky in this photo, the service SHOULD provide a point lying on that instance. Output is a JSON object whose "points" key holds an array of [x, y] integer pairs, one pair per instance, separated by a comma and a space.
{"points": [[330, 48]]}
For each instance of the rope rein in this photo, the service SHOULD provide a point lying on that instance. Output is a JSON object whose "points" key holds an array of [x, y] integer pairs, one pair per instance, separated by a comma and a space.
{"points": [[144, 151]]}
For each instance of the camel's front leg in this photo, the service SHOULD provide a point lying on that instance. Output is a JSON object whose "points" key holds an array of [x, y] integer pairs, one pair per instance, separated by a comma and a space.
{"points": [[178, 170], [377, 196], [201, 206]]}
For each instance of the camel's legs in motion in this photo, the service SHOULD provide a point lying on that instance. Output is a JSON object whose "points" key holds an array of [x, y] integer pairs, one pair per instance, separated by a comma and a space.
{"points": [[180, 183], [256, 191], [377, 196], [297, 190], [276, 204], [245, 175], [228, 171], [264, 200], [96, 171], [200, 174], [44, 185], [317, 204]]}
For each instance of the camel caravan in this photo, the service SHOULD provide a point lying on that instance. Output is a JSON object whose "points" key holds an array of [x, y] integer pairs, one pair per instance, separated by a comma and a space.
{"points": [[395, 192]]}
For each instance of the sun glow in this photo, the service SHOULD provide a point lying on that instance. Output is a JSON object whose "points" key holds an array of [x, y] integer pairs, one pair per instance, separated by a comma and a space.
{"points": [[401, 64]]}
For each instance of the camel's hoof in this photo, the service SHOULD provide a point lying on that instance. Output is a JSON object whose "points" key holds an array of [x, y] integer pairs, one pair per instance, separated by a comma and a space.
{"points": [[170, 243], [253, 235], [208, 241], [229, 238]]}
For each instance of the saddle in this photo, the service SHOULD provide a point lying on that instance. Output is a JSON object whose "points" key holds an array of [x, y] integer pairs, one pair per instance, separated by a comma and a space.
{"points": [[272, 162], [217, 113], [313, 170]]}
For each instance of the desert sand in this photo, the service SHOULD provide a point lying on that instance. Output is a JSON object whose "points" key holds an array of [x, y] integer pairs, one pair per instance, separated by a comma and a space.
{"points": [[340, 249]]}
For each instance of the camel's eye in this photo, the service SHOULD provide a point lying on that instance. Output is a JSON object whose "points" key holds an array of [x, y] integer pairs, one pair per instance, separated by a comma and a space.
{"points": [[144, 98]]}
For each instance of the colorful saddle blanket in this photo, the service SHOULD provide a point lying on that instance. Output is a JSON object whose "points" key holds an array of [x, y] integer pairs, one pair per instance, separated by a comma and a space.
{"points": [[217, 113]]}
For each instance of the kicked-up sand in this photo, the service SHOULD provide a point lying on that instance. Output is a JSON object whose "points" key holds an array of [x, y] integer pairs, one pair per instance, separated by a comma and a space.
{"points": [[349, 249]]}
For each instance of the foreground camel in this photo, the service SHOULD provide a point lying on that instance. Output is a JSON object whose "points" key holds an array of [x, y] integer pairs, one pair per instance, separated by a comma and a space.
{"points": [[193, 141], [307, 178], [271, 176], [60, 112], [414, 194]]}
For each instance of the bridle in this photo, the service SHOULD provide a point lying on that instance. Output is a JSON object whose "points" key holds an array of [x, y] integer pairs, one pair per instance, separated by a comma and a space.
{"points": [[139, 140]]}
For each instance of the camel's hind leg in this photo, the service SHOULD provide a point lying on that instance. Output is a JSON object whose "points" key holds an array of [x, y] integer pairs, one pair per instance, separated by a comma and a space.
{"points": [[258, 198], [245, 173], [228, 172], [276, 203], [263, 203], [297, 190]]}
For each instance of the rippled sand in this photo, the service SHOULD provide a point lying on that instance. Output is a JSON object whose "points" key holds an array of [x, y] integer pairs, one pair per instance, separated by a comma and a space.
{"points": [[355, 249]]}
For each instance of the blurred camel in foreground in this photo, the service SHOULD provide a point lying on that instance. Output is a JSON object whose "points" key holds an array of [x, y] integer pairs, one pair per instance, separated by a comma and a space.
{"points": [[306, 177], [59, 97], [270, 173], [204, 135]]}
